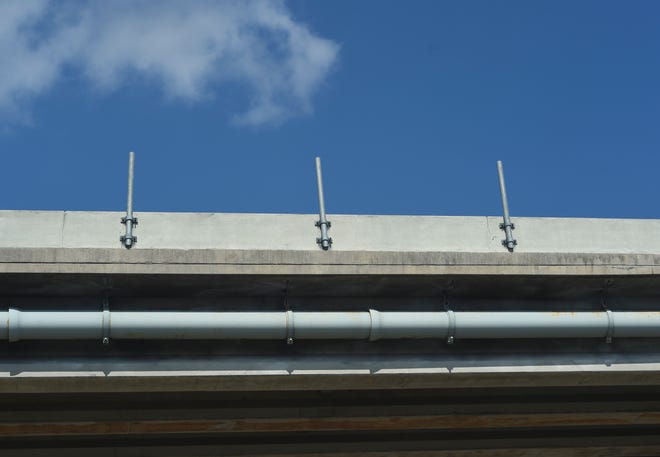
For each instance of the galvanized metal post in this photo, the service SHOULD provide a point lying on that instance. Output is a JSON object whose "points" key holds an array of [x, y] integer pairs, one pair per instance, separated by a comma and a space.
{"points": [[324, 241], [507, 225], [128, 240]]}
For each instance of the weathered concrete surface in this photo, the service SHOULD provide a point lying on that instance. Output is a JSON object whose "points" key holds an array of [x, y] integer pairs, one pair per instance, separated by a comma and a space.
{"points": [[296, 232], [268, 244], [271, 262]]}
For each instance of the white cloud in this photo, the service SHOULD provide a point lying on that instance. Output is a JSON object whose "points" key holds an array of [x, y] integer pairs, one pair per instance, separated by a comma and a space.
{"points": [[187, 48]]}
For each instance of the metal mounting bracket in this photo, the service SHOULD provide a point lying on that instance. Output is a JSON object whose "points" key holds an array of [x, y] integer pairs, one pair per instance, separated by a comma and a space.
{"points": [[451, 326], [290, 325], [129, 240], [106, 321], [451, 318]]}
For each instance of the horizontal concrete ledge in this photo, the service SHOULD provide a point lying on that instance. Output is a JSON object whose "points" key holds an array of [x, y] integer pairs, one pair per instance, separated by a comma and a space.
{"points": [[268, 262], [296, 232], [189, 381]]}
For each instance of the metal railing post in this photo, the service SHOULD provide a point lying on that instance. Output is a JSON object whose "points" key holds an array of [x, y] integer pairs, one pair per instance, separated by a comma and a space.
{"points": [[323, 224], [128, 240], [507, 225]]}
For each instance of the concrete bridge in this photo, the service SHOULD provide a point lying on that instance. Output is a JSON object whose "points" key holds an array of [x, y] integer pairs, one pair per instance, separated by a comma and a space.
{"points": [[577, 375]]}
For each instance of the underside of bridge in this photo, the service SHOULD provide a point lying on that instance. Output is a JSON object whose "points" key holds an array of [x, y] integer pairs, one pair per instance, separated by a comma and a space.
{"points": [[519, 394], [614, 420]]}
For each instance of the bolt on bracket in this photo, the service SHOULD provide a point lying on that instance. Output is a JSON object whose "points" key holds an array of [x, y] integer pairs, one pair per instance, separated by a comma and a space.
{"points": [[129, 240]]}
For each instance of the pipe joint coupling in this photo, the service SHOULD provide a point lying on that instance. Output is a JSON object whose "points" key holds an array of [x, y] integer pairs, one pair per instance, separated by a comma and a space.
{"points": [[374, 330]]}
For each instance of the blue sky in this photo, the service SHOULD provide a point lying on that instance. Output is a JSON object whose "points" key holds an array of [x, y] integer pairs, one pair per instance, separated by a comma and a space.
{"points": [[409, 104]]}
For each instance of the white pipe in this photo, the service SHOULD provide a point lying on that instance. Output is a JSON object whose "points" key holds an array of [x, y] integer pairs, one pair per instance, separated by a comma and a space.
{"points": [[372, 325]]}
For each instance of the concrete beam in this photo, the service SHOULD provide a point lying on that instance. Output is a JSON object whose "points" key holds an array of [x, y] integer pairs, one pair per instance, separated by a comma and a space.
{"points": [[296, 232]]}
